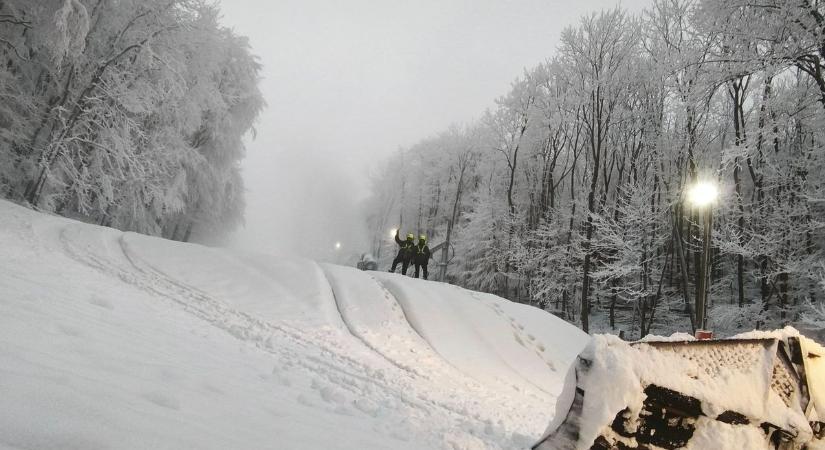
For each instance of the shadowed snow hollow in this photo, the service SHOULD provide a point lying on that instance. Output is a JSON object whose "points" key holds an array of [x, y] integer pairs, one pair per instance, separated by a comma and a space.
{"points": [[118, 340]]}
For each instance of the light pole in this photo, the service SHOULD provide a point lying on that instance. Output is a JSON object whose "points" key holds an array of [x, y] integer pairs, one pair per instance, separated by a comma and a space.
{"points": [[702, 196]]}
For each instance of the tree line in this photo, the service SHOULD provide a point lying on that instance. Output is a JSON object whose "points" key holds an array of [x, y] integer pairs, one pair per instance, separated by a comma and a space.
{"points": [[126, 113], [570, 194]]}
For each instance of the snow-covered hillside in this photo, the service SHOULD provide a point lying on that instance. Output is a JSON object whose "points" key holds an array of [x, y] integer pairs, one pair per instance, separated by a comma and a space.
{"points": [[118, 340]]}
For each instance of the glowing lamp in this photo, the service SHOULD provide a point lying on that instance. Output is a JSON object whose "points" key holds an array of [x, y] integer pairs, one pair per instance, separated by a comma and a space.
{"points": [[702, 194]]}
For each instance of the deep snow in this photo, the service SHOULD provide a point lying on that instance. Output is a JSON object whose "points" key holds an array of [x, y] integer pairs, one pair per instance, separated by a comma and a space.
{"points": [[118, 340]]}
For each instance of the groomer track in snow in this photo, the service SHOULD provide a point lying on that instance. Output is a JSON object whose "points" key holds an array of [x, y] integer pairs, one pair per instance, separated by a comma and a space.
{"points": [[118, 340]]}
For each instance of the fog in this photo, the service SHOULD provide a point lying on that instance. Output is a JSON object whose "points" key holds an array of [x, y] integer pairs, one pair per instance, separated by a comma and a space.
{"points": [[349, 82]]}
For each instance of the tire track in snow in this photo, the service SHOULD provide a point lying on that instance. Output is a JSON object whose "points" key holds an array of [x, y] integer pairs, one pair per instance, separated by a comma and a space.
{"points": [[452, 372], [400, 389], [406, 316], [443, 372], [253, 324], [357, 335], [342, 371], [330, 363], [501, 360], [417, 332], [244, 327], [446, 361]]}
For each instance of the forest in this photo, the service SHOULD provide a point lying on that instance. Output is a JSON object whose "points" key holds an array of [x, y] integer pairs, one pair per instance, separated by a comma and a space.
{"points": [[126, 113], [571, 193]]}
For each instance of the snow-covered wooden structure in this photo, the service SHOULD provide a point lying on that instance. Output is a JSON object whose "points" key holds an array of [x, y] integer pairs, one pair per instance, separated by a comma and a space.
{"points": [[760, 391]]}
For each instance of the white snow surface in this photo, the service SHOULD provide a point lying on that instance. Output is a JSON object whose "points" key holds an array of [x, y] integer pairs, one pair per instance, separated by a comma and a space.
{"points": [[112, 340], [620, 371]]}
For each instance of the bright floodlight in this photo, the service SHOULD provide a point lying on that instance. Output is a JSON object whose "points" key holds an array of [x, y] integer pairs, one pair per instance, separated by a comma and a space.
{"points": [[393, 232], [702, 194], [337, 246]]}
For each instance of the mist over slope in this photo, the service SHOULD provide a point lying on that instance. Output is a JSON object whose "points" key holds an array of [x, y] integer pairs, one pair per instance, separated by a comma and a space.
{"points": [[119, 340]]}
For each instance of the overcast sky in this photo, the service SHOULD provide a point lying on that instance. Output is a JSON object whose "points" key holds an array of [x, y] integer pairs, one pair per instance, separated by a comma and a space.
{"points": [[348, 82]]}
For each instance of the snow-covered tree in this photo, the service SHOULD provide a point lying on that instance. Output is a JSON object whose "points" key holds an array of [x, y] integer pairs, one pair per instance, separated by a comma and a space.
{"points": [[128, 114], [581, 171]]}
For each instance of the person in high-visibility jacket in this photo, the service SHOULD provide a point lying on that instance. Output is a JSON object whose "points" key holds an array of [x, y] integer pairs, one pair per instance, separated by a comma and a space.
{"points": [[405, 253], [421, 255]]}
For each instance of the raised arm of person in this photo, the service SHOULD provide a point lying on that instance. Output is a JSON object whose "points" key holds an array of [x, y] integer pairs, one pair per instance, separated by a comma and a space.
{"points": [[398, 239]]}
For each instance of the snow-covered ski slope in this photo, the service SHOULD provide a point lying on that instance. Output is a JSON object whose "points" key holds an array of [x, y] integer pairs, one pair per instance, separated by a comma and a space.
{"points": [[112, 340]]}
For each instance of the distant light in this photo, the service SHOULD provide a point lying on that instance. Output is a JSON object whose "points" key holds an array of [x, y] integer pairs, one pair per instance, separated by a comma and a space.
{"points": [[393, 232], [702, 194], [337, 246]]}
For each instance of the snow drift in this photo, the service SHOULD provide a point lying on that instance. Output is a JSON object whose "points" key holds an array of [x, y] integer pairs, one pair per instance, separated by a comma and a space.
{"points": [[118, 340]]}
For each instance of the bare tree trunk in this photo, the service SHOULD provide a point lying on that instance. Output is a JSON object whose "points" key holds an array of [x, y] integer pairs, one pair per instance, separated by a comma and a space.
{"points": [[737, 93], [677, 240]]}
